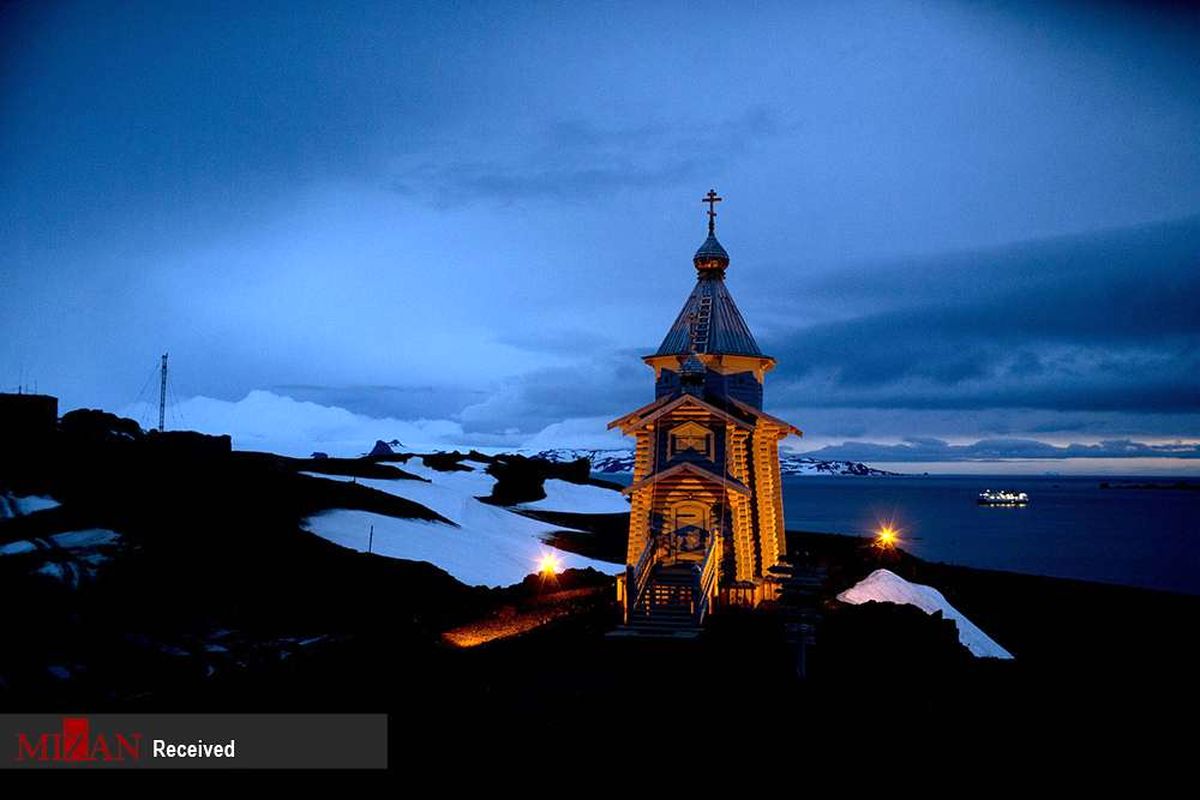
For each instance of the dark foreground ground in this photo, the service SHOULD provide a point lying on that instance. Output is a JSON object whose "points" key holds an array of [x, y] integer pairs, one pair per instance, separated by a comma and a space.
{"points": [[216, 600]]}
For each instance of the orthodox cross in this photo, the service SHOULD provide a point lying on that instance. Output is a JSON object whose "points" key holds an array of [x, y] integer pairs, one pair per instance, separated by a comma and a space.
{"points": [[712, 200]]}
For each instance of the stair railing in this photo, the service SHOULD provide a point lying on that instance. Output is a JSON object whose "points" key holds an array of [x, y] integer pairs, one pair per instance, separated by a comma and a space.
{"points": [[708, 576], [639, 574]]}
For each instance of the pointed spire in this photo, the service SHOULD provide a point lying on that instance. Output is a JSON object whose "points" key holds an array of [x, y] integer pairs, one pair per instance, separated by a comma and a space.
{"points": [[710, 322], [711, 259]]}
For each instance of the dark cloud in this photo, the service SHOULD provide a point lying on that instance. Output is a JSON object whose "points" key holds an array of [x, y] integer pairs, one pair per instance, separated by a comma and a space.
{"points": [[927, 449], [1064, 390], [1095, 322], [475, 211], [1092, 355], [397, 402], [463, 182], [579, 159], [825, 425], [600, 387], [562, 342]]}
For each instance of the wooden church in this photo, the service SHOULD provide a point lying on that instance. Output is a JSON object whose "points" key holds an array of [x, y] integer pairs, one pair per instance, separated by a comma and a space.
{"points": [[706, 524]]}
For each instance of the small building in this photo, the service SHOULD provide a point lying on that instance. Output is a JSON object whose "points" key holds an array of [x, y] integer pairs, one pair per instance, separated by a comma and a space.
{"points": [[706, 524], [27, 419]]}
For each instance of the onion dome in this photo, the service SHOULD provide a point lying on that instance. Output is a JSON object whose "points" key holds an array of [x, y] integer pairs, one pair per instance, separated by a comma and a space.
{"points": [[711, 256]]}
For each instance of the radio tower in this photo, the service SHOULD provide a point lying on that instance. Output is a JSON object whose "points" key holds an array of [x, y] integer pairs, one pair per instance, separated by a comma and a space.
{"points": [[162, 395]]}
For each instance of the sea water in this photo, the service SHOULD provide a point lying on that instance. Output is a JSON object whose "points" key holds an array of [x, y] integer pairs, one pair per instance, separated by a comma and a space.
{"points": [[1072, 527]]}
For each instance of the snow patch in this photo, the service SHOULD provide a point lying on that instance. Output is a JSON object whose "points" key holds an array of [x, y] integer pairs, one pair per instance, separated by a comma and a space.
{"points": [[491, 546], [70, 557], [71, 540], [53, 570], [13, 548], [885, 586], [93, 537], [579, 498], [476, 554], [11, 506]]}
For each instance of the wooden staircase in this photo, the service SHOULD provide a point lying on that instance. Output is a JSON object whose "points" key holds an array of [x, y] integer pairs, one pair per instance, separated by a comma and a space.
{"points": [[670, 605]]}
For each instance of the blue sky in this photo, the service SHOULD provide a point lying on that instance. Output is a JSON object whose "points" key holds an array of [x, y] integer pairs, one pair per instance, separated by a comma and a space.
{"points": [[949, 221]]}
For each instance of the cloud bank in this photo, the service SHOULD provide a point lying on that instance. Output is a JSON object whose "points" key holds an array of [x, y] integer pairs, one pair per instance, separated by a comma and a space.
{"points": [[463, 223], [931, 450], [274, 423], [270, 422]]}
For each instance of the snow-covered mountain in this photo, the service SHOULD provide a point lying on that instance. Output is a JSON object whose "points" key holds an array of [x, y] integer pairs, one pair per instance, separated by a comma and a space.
{"points": [[790, 463], [602, 460]]}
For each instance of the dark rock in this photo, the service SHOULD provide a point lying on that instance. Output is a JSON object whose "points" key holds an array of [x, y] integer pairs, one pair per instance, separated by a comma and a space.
{"points": [[190, 443], [93, 425], [446, 462], [874, 641]]}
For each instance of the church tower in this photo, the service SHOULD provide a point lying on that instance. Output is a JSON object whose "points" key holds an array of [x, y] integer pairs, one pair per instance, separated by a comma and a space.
{"points": [[706, 524]]}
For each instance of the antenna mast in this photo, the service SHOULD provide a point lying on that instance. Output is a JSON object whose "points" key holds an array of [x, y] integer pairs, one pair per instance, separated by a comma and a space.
{"points": [[162, 395]]}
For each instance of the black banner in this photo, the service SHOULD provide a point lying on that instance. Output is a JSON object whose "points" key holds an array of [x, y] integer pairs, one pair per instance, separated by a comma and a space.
{"points": [[193, 741]]}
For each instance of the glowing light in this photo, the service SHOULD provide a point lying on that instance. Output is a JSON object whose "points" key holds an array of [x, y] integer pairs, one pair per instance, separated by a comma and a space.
{"points": [[549, 564], [887, 536]]}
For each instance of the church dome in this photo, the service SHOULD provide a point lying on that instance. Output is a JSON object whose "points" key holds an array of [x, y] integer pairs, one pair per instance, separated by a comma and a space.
{"points": [[711, 255]]}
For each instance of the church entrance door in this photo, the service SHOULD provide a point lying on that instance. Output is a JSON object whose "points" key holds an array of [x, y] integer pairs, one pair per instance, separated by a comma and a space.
{"points": [[690, 529]]}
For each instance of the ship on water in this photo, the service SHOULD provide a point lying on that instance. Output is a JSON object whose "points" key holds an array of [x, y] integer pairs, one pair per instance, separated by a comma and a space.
{"points": [[1002, 497]]}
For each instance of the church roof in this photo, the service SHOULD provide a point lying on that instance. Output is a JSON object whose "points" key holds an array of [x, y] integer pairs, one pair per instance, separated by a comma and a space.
{"points": [[631, 422], [719, 326], [698, 471], [634, 416], [727, 408], [760, 414]]}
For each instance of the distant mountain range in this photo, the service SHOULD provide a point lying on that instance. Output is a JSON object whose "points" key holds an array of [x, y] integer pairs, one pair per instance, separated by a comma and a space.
{"points": [[790, 463]]}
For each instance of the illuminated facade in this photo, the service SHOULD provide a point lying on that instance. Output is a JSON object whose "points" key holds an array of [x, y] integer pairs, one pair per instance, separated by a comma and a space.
{"points": [[706, 523]]}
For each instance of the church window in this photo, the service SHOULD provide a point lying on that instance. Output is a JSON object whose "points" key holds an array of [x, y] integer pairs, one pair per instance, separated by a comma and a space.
{"points": [[691, 438]]}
